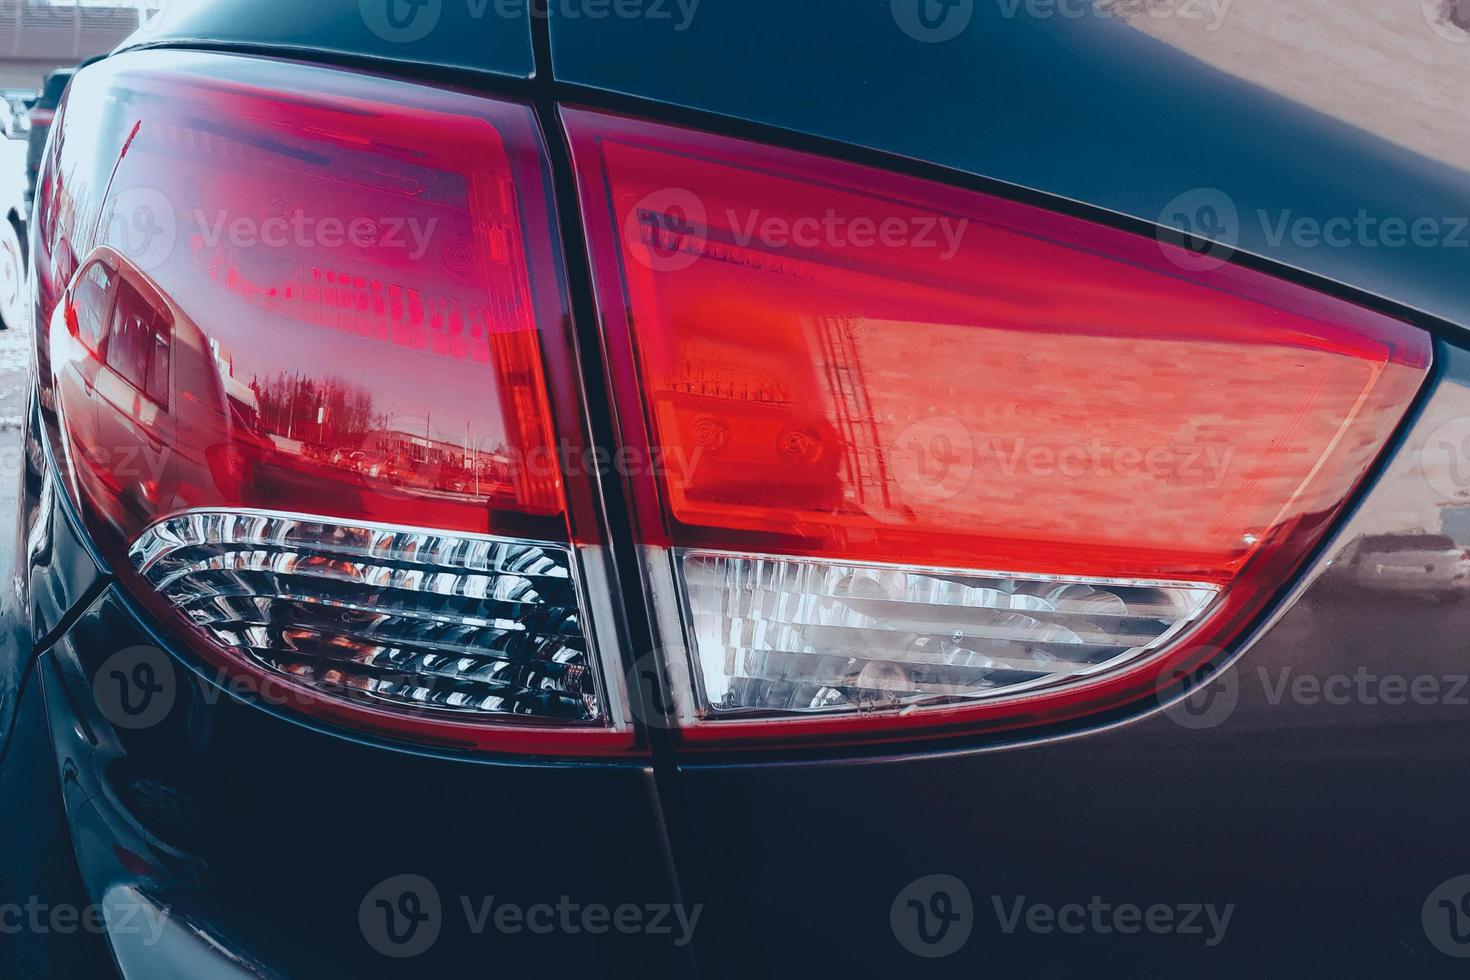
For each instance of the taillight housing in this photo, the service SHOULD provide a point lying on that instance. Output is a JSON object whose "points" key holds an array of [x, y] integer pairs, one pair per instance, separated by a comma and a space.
{"points": [[903, 460], [950, 462], [315, 385]]}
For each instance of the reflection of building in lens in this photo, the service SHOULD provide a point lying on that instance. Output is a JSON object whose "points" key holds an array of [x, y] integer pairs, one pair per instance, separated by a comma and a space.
{"points": [[439, 464]]}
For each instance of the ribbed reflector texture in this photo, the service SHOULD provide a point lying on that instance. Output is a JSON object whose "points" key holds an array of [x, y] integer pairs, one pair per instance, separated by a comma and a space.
{"points": [[792, 635], [401, 616]]}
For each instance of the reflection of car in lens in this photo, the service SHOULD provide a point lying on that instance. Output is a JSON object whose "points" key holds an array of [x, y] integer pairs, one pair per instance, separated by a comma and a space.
{"points": [[154, 417], [1416, 563]]}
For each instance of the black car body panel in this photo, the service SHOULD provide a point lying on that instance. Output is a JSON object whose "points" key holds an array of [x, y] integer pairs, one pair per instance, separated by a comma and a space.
{"points": [[266, 836], [491, 36], [1321, 825]]}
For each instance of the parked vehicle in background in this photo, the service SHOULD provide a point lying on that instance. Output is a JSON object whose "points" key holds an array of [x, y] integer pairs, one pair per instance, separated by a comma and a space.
{"points": [[1425, 564], [19, 102], [40, 117], [13, 211]]}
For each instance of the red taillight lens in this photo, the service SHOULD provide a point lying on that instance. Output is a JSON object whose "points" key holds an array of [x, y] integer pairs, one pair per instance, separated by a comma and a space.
{"points": [[41, 117], [307, 406], [947, 459]]}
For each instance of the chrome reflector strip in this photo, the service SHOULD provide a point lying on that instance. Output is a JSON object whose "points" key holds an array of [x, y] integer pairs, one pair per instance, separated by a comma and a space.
{"points": [[398, 616], [776, 634]]}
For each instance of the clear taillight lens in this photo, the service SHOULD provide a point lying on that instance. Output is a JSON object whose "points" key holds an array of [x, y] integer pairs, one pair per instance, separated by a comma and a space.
{"points": [[396, 617], [315, 384], [786, 634], [947, 461]]}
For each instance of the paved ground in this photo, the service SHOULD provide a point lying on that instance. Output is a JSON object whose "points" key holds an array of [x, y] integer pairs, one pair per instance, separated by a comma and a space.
{"points": [[1393, 67], [14, 362]]}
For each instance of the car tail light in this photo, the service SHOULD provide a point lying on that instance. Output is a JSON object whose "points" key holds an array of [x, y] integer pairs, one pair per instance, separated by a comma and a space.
{"points": [[315, 385], [949, 462], [921, 461], [41, 117]]}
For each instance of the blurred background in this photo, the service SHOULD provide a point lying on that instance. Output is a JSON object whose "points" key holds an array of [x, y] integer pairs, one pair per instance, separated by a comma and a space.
{"points": [[37, 36], [41, 43]]}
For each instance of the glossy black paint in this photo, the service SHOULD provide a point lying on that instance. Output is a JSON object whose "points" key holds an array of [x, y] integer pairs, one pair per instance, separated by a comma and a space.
{"points": [[267, 836], [1324, 825], [481, 35], [58, 561]]}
